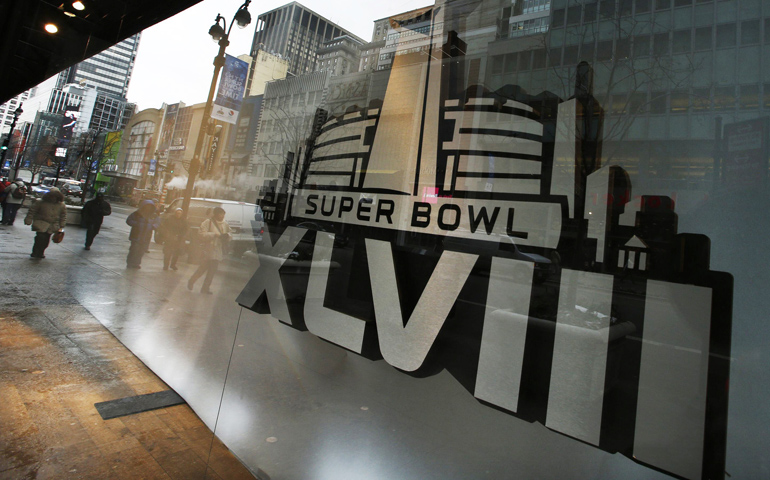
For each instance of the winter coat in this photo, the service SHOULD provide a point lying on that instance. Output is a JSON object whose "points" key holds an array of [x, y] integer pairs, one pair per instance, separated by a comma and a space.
{"points": [[174, 229], [46, 217], [95, 210], [10, 189], [214, 246], [142, 227]]}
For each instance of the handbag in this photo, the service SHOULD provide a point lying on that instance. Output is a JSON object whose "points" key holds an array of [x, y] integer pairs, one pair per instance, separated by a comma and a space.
{"points": [[58, 237]]}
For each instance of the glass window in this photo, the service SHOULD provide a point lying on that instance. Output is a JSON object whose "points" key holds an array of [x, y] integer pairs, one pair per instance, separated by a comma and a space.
{"points": [[573, 15], [625, 7], [658, 102], [642, 6], [604, 50], [682, 3], [623, 48], [749, 96], [726, 35], [660, 44], [637, 103], [587, 52], [704, 38], [497, 64], [510, 63], [766, 95], [682, 41], [749, 32], [558, 18], [642, 46], [680, 102], [662, 4], [524, 60], [538, 58], [724, 98], [589, 12], [554, 57], [767, 30], [571, 55], [701, 99], [607, 8]]}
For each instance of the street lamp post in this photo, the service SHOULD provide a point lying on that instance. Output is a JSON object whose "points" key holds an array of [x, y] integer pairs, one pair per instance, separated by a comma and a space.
{"points": [[16, 114], [221, 34]]}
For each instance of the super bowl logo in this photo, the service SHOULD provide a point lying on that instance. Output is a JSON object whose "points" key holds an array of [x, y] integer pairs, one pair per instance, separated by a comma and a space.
{"points": [[451, 227]]}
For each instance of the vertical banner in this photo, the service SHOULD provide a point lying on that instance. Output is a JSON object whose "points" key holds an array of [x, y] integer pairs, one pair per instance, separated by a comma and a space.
{"points": [[231, 87], [167, 131]]}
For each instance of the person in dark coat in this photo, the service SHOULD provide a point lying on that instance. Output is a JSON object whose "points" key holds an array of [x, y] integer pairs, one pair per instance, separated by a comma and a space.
{"points": [[174, 235], [94, 212], [143, 221]]}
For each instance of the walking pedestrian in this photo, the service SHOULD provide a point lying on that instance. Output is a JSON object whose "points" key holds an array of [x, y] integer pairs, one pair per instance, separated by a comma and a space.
{"points": [[4, 183], [174, 235], [94, 212], [47, 216], [16, 192], [215, 237], [143, 221]]}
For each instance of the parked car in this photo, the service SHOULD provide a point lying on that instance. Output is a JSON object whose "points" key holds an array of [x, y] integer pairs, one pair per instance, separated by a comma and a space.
{"points": [[67, 186], [245, 220]]}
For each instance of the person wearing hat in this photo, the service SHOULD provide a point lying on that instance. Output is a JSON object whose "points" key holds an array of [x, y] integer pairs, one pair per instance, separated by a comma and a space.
{"points": [[94, 212], [47, 217], [174, 235], [16, 192], [143, 221], [215, 236]]}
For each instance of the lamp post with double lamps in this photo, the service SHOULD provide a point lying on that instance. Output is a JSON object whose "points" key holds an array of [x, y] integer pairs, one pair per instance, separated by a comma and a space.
{"points": [[221, 34]]}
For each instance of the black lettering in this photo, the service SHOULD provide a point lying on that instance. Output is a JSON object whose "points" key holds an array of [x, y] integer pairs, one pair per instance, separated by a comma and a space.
{"points": [[383, 212], [346, 205], [509, 227], [421, 214], [364, 206], [323, 206], [447, 226], [310, 202], [489, 224]]}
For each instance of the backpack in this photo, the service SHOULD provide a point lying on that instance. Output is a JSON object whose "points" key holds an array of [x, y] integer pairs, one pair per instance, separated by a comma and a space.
{"points": [[20, 192]]}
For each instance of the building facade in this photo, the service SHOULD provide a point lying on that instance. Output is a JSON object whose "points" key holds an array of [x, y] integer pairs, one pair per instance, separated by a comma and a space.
{"points": [[295, 33]]}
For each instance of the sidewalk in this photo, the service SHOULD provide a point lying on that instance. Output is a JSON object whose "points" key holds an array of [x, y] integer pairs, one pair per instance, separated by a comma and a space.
{"points": [[57, 360]]}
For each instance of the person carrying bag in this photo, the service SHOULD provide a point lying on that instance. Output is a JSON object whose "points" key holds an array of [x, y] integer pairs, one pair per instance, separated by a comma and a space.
{"points": [[47, 217], [214, 235]]}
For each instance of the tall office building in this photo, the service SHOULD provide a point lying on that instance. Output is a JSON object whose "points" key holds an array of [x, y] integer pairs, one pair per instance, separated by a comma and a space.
{"points": [[97, 86], [295, 32], [109, 71], [8, 108]]}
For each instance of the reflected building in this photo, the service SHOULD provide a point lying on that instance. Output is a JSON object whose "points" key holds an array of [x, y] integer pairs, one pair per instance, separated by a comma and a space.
{"points": [[295, 33]]}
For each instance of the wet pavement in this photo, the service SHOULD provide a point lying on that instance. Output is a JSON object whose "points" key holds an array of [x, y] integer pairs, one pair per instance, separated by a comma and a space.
{"points": [[57, 360]]}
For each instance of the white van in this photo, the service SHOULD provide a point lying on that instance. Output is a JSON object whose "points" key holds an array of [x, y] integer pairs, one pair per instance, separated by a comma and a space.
{"points": [[245, 220]]}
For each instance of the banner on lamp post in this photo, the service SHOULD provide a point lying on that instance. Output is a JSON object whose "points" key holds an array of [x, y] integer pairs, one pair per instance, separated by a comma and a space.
{"points": [[231, 87]]}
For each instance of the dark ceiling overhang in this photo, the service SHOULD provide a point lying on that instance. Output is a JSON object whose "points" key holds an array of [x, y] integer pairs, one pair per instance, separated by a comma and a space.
{"points": [[29, 55]]}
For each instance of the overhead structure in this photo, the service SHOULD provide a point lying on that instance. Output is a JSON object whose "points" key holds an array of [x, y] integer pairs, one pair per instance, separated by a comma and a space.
{"points": [[40, 38]]}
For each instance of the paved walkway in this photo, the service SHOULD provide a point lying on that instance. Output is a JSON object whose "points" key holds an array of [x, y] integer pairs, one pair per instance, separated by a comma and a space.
{"points": [[57, 360]]}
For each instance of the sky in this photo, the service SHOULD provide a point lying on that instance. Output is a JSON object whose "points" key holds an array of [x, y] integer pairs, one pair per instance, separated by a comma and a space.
{"points": [[175, 58]]}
